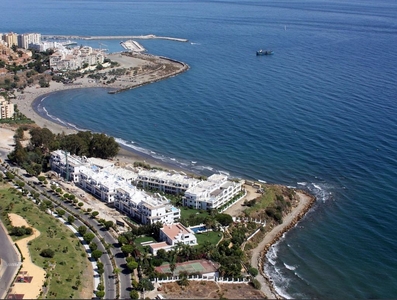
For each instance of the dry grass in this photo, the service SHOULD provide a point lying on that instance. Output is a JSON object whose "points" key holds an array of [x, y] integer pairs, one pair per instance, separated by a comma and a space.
{"points": [[210, 290]]}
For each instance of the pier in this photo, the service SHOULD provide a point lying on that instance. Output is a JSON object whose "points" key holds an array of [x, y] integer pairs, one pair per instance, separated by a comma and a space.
{"points": [[132, 45], [115, 37]]}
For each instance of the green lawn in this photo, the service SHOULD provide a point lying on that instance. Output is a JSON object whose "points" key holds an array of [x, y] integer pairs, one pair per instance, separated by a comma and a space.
{"points": [[211, 236], [143, 239], [69, 261], [196, 213]]}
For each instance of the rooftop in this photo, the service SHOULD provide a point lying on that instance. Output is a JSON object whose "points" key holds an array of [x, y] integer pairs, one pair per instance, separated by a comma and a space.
{"points": [[172, 230]]}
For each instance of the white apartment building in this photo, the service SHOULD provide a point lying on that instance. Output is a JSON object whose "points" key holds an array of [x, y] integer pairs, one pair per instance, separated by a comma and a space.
{"points": [[145, 208], [211, 193], [6, 109], [73, 59], [173, 183], [10, 39], [112, 184], [171, 235], [27, 39]]}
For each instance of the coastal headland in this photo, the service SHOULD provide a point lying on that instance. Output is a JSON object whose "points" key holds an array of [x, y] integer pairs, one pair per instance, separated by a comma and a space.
{"points": [[151, 69]]}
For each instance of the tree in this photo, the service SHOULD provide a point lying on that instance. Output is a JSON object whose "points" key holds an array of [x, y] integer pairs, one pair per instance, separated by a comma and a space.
{"points": [[162, 254], [88, 237], [224, 219], [70, 219], [172, 266], [127, 249], [132, 265], [134, 294], [96, 254], [49, 253], [122, 239], [103, 146], [9, 175], [93, 246], [82, 230], [109, 224], [60, 212], [145, 284], [80, 204], [100, 294], [94, 214]]}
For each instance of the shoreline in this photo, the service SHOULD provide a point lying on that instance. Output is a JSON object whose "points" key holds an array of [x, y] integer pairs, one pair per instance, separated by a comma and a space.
{"points": [[306, 202], [29, 101]]}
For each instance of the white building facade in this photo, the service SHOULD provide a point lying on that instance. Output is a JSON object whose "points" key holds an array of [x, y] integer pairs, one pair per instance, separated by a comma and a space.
{"points": [[6, 109], [172, 235], [173, 183], [212, 193], [111, 184]]}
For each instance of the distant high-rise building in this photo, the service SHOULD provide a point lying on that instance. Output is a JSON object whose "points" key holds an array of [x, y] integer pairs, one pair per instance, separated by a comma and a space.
{"points": [[27, 39], [10, 38], [6, 109]]}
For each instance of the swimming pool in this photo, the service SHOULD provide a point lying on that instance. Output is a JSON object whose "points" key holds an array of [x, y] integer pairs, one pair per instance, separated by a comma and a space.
{"points": [[198, 228]]}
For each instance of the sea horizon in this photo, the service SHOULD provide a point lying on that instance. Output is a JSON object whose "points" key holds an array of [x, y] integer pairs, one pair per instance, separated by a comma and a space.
{"points": [[319, 114]]}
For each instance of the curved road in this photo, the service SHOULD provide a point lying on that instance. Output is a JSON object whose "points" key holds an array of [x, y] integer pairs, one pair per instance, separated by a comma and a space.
{"points": [[110, 281], [10, 262]]}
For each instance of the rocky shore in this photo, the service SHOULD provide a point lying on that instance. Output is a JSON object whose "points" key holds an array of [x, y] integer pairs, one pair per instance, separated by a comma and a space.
{"points": [[258, 257]]}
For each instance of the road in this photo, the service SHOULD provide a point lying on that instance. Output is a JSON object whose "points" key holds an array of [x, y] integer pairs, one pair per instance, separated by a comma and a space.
{"points": [[10, 262], [109, 278]]}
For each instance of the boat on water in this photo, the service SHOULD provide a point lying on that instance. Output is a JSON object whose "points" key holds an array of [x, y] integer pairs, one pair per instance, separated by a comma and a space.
{"points": [[264, 52]]}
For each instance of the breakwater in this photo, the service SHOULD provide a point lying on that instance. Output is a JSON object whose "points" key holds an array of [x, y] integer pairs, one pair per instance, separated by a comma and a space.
{"points": [[110, 37], [184, 67]]}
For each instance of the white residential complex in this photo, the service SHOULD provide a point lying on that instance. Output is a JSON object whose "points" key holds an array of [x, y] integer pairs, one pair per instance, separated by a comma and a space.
{"points": [[113, 184], [212, 193], [173, 183], [75, 58]]}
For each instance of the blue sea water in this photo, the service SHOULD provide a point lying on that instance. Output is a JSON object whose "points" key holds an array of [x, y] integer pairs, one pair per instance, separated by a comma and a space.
{"points": [[319, 114]]}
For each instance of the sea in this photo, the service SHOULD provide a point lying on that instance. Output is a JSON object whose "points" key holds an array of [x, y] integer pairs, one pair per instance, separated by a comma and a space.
{"points": [[320, 114]]}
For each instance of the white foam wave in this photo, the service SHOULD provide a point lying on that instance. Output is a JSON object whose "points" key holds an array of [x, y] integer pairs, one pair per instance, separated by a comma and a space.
{"points": [[271, 255], [263, 181], [224, 173], [302, 183], [320, 190], [279, 281], [132, 146], [292, 268], [317, 186]]}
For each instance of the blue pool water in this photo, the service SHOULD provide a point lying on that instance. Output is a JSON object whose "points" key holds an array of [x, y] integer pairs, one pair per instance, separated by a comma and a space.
{"points": [[196, 229]]}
